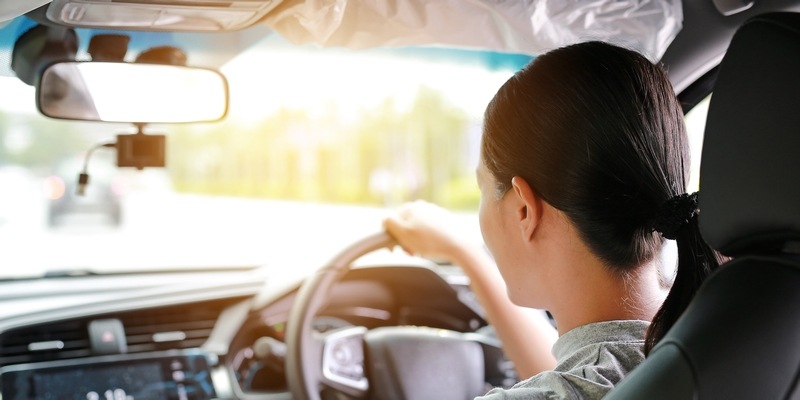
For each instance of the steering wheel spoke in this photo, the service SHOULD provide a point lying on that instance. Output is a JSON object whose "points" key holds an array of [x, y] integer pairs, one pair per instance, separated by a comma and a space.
{"points": [[343, 361], [407, 361]]}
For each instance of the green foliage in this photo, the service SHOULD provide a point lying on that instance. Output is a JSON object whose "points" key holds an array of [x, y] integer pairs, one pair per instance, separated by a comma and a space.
{"points": [[384, 156], [461, 193]]}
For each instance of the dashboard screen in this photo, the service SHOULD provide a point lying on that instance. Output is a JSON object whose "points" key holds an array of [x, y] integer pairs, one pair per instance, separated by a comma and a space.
{"points": [[184, 377], [123, 382]]}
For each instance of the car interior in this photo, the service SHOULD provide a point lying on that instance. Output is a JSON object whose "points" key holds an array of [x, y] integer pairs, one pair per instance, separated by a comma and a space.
{"points": [[294, 298], [743, 321]]}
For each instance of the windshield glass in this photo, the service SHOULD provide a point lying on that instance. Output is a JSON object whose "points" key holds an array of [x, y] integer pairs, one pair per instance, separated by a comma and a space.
{"points": [[316, 145]]}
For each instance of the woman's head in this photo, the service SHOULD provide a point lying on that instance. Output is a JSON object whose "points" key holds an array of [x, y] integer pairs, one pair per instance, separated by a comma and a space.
{"points": [[596, 132]]}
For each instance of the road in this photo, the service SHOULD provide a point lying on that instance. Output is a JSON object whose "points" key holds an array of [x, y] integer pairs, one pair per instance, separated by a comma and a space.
{"points": [[162, 229]]}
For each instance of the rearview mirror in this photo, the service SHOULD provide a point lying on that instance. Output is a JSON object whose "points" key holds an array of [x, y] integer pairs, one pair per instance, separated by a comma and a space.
{"points": [[131, 92]]}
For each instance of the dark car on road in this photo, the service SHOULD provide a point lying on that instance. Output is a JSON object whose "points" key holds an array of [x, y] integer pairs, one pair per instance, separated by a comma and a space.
{"points": [[101, 198]]}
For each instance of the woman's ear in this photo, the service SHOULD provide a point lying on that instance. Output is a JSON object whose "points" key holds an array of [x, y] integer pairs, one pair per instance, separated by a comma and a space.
{"points": [[529, 207]]}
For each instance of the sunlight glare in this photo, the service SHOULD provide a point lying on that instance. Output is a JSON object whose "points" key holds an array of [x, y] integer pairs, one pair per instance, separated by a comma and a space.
{"points": [[264, 81], [153, 93]]}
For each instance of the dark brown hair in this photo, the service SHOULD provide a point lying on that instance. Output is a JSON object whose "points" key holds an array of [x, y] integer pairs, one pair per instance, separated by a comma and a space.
{"points": [[598, 133]]}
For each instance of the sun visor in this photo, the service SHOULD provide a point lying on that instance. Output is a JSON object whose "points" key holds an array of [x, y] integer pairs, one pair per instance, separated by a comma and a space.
{"points": [[10, 9], [515, 26]]}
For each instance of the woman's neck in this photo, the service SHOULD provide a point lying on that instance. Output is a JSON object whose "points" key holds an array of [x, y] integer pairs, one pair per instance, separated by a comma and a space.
{"points": [[571, 282], [599, 294]]}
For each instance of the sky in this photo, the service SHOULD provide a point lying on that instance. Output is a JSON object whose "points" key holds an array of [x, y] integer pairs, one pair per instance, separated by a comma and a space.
{"points": [[271, 76]]}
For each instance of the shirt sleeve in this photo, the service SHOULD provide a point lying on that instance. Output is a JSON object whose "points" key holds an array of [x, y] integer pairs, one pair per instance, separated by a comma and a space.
{"points": [[552, 385], [544, 386]]}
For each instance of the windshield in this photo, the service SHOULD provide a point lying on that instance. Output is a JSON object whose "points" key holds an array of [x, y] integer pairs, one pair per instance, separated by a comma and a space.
{"points": [[316, 145]]}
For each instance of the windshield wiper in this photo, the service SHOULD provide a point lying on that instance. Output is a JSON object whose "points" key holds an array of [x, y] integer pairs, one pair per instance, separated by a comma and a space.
{"points": [[86, 272], [54, 273], [69, 273]]}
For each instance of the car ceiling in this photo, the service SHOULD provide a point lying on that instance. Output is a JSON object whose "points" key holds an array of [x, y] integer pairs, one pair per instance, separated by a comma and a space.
{"points": [[208, 50], [697, 48]]}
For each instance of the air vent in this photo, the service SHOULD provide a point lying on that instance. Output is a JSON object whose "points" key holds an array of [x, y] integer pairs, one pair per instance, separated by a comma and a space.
{"points": [[29, 344], [167, 328], [164, 328]]}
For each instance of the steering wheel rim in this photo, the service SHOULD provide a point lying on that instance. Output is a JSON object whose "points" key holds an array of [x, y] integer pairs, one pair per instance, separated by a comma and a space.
{"points": [[302, 367]]}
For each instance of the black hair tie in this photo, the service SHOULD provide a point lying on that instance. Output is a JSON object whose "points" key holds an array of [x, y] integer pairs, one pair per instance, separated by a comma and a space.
{"points": [[674, 214]]}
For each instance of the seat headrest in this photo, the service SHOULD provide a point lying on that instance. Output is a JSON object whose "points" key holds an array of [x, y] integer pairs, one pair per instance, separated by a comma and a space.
{"points": [[750, 168]]}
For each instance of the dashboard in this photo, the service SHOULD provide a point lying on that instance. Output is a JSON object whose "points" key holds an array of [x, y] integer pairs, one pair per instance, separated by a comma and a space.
{"points": [[203, 334]]}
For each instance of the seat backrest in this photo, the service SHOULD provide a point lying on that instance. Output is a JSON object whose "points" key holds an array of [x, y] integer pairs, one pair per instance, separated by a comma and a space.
{"points": [[740, 336]]}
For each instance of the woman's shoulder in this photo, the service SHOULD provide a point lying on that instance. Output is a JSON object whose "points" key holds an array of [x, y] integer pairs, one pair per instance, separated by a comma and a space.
{"points": [[592, 359], [588, 382], [617, 344], [545, 385]]}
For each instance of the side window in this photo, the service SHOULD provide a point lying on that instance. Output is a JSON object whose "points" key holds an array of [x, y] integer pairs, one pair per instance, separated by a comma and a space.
{"points": [[695, 126]]}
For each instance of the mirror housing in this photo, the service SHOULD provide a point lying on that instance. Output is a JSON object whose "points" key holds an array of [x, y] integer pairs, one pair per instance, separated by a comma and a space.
{"points": [[131, 92]]}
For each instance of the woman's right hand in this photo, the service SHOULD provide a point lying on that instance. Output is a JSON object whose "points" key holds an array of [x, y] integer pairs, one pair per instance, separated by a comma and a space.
{"points": [[427, 230]]}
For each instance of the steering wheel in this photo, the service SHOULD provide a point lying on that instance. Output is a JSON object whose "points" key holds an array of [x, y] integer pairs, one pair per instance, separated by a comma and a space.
{"points": [[384, 363]]}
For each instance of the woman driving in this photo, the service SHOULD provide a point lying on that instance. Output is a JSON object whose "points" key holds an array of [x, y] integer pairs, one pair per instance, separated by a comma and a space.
{"points": [[583, 172]]}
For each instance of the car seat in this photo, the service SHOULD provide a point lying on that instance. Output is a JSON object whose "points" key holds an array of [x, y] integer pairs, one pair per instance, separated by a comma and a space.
{"points": [[740, 336]]}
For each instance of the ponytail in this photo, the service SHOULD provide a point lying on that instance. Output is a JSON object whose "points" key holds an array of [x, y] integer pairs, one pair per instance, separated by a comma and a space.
{"points": [[696, 261]]}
